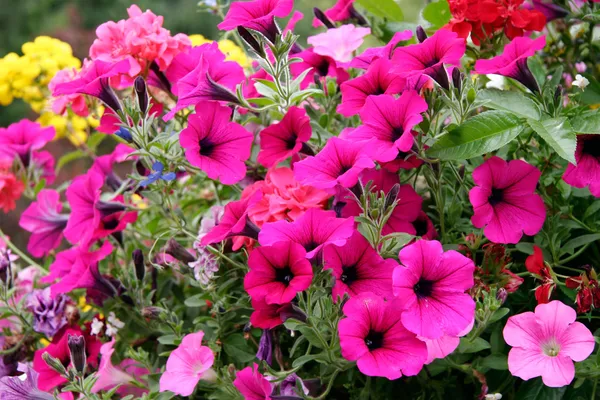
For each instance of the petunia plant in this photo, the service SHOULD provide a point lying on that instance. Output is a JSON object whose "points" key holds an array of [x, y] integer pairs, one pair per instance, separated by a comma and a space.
{"points": [[379, 210]]}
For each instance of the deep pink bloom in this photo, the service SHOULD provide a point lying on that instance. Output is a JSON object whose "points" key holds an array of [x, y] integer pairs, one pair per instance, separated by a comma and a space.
{"points": [[444, 345], [424, 227], [93, 80], [338, 163], [428, 58], [322, 66], [379, 79], [372, 334], [587, 170], [75, 101], [512, 62], [216, 145], [44, 162], [258, 15], [104, 164], [285, 138], [546, 343], [358, 268], [268, 316], [294, 19], [366, 58], [187, 364], [504, 200], [252, 384], [315, 229], [342, 10], [339, 43], [278, 272], [430, 284], [110, 375], [22, 138], [45, 222], [388, 124]]}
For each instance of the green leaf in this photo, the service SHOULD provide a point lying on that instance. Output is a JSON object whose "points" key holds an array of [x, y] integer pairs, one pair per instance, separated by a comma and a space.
{"points": [[437, 14], [169, 339], [505, 100], [498, 315], [195, 301], [293, 324], [320, 358], [557, 132], [587, 123], [535, 389], [236, 347], [95, 139], [311, 336], [481, 134], [572, 244], [496, 361], [39, 186], [466, 346], [388, 9], [69, 157]]}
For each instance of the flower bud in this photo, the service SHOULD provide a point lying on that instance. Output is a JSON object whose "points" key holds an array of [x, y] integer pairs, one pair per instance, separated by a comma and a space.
{"points": [[124, 134], [142, 93], [138, 262], [76, 345], [151, 312], [391, 196], [320, 15], [54, 363], [251, 41], [265, 347], [457, 78], [179, 252], [421, 35], [501, 295]]}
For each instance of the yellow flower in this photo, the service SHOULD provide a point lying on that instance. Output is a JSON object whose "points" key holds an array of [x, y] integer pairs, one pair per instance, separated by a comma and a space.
{"points": [[44, 342], [139, 201], [83, 305]]}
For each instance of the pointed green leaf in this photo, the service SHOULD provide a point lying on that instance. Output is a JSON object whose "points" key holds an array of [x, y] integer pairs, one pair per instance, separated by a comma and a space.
{"points": [[558, 133], [514, 102], [588, 123], [437, 14], [383, 8]]}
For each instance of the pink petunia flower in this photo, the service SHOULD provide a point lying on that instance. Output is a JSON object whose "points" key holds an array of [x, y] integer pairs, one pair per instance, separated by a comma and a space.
{"points": [[278, 272], [445, 345], [587, 171], [358, 268], [216, 145], [104, 164], [75, 101], [187, 365], [258, 15], [268, 316], [342, 10], [338, 163], [285, 138], [372, 334], [512, 63], [252, 384], [379, 79], [123, 374], [430, 284], [504, 200], [339, 43], [291, 24], [546, 343], [93, 80], [314, 230], [322, 66], [43, 219], [428, 58], [388, 124], [22, 138], [44, 162], [367, 57], [424, 227]]}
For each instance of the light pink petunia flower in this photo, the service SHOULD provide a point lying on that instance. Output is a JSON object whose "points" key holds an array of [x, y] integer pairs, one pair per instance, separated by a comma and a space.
{"points": [[587, 170], [339, 43], [123, 374], [252, 384], [504, 200], [430, 284], [546, 343]]}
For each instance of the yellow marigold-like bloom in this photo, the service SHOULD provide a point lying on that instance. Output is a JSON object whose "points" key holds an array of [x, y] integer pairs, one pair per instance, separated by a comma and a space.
{"points": [[231, 50], [83, 305]]}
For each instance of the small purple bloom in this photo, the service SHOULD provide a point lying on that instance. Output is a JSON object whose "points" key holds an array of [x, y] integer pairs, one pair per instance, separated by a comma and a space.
{"points": [[265, 347], [158, 167], [24, 387], [48, 312]]}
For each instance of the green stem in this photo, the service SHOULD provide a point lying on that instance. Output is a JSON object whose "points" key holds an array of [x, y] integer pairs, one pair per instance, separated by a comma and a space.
{"points": [[329, 386], [19, 252]]}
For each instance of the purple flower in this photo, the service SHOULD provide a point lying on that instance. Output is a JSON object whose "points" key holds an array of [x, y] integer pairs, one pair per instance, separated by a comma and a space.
{"points": [[17, 388], [158, 169], [48, 312], [265, 346]]}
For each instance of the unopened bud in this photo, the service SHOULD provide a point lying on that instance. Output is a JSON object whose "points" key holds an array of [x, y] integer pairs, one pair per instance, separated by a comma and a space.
{"points": [[320, 15], [54, 363], [457, 78], [124, 134], [138, 262], [251, 41], [142, 93], [501, 295], [421, 35], [76, 345], [461, 171], [151, 312], [179, 252], [392, 195]]}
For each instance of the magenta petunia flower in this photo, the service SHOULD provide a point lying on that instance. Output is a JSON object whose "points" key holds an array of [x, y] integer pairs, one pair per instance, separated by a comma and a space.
{"points": [[428, 58], [338, 163], [278, 272], [504, 200], [339, 43], [258, 15], [322, 66], [252, 384], [285, 138], [187, 365], [358, 268], [216, 145], [587, 170], [512, 63], [379, 79], [367, 57], [546, 343], [388, 124], [372, 334], [22, 138], [444, 345], [93, 80], [313, 230], [45, 222], [430, 284], [424, 227], [342, 10]]}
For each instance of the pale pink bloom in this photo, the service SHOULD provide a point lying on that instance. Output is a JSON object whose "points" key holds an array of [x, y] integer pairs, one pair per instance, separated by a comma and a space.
{"points": [[546, 343], [110, 375], [339, 43]]}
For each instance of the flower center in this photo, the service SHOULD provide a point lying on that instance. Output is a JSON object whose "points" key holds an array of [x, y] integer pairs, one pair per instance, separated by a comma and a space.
{"points": [[284, 275], [290, 142], [551, 348], [591, 146], [310, 246], [206, 147], [496, 196], [420, 227], [374, 340], [423, 288], [349, 274], [432, 62], [323, 67], [397, 133]]}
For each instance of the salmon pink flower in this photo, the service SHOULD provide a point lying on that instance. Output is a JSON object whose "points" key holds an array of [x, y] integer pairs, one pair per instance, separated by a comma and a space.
{"points": [[366, 58], [11, 187], [258, 15], [124, 374], [313, 230], [504, 200], [430, 284], [587, 171], [358, 268], [21, 139], [322, 66], [76, 102], [546, 343], [252, 384], [43, 219], [285, 138], [278, 272], [338, 163], [373, 335], [339, 43], [512, 63], [388, 124], [187, 365], [536, 265], [216, 145]]}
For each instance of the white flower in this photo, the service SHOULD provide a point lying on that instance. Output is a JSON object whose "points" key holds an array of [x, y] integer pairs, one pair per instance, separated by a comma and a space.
{"points": [[114, 321], [493, 396], [97, 326], [581, 81], [111, 330]]}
